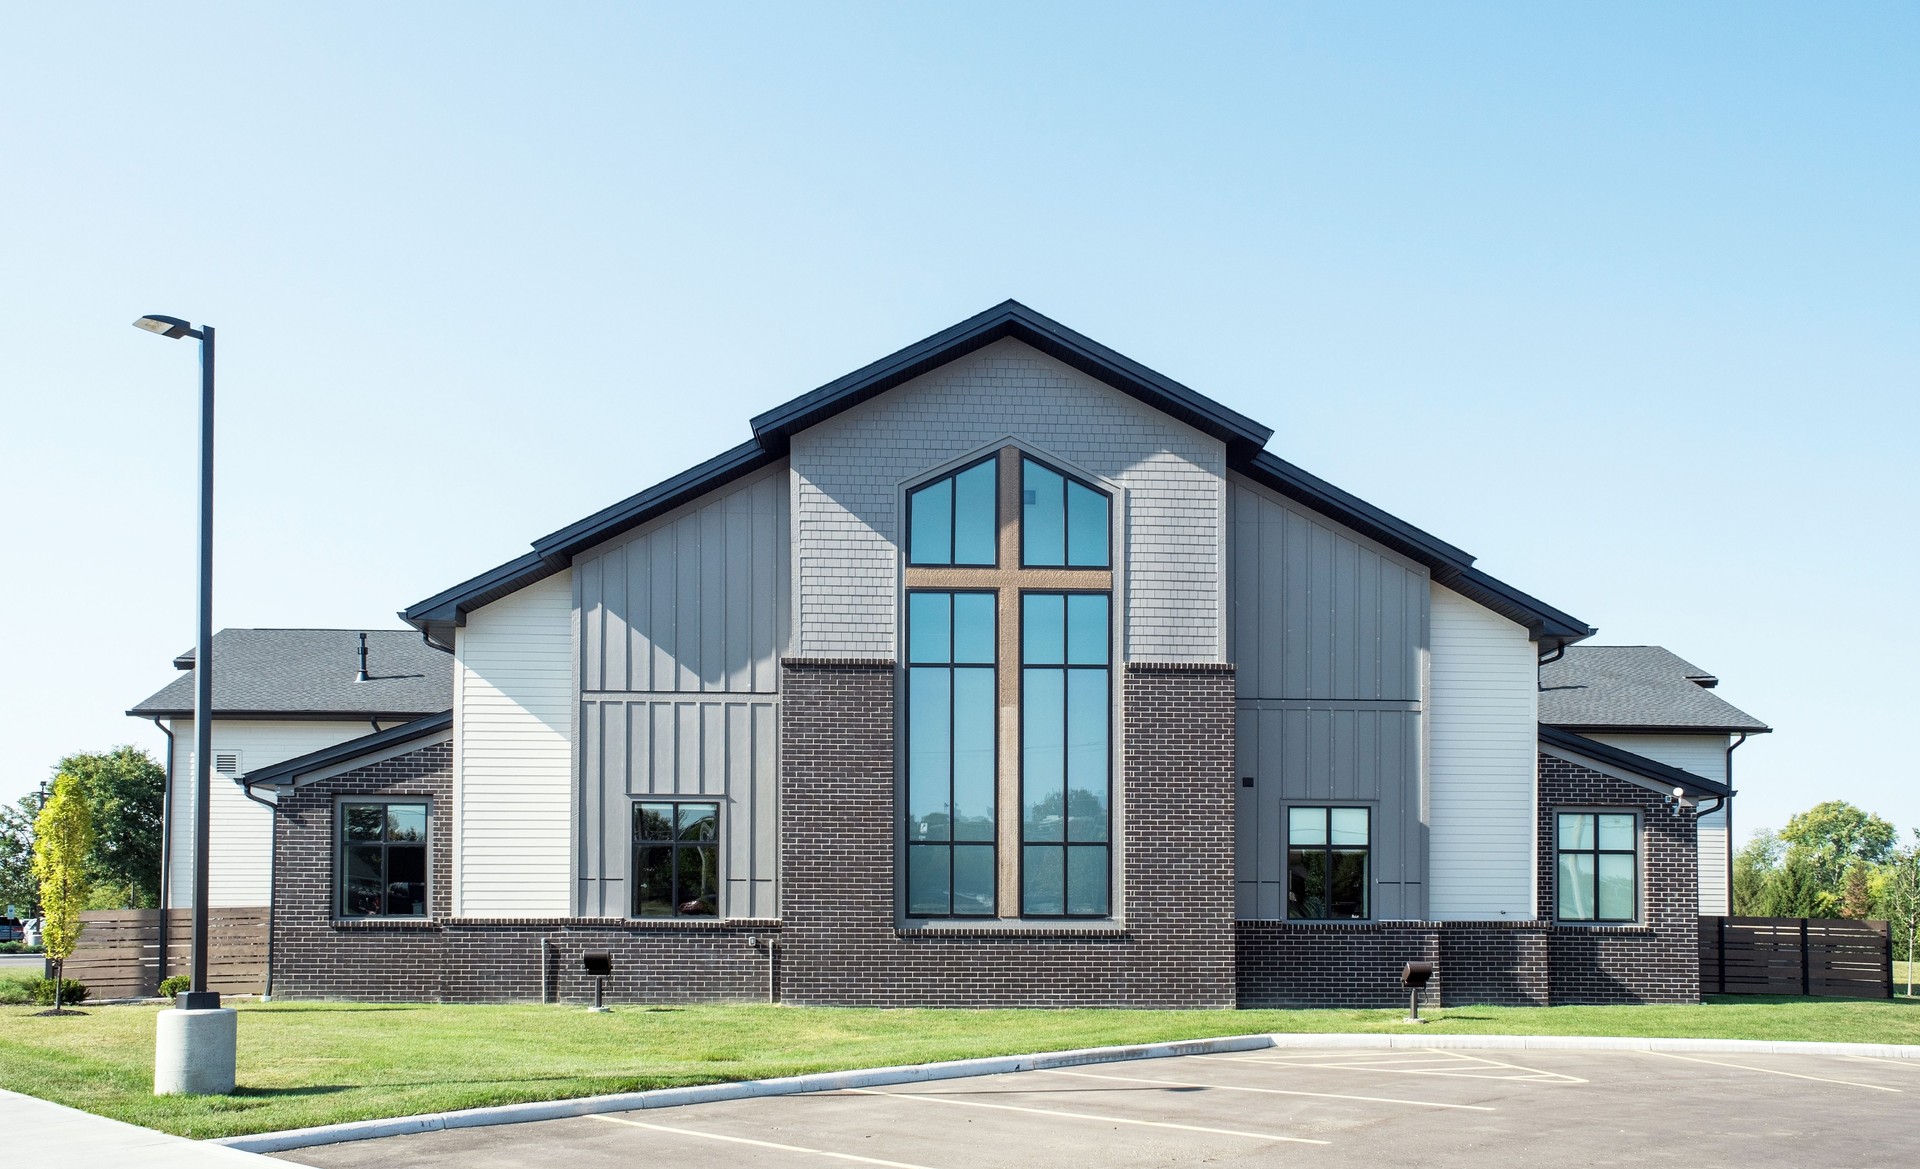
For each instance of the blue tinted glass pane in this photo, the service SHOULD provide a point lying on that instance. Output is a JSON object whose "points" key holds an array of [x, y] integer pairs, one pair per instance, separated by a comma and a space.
{"points": [[699, 822], [1306, 825], [1086, 527], [406, 821], [973, 880], [1576, 886], [1087, 756], [1043, 880], [1087, 632], [973, 754], [974, 529], [1042, 628], [1576, 830], [973, 627], [928, 880], [1042, 512], [1349, 825], [929, 753], [1087, 881], [1616, 887], [1042, 784], [1616, 831], [930, 524], [928, 635]]}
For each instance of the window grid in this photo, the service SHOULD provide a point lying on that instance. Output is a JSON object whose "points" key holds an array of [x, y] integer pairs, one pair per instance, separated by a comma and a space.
{"points": [[939, 502], [1589, 848], [1320, 863], [1056, 507], [1041, 857], [676, 852], [382, 858], [944, 856]]}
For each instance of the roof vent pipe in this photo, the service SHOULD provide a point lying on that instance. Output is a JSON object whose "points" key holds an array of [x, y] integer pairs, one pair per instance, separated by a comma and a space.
{"points": [[362, 675]]}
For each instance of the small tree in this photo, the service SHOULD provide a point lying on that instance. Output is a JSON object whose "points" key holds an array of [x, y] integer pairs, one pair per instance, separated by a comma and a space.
{"points": [[1856, 893], [1902, 900], [62, 845]]}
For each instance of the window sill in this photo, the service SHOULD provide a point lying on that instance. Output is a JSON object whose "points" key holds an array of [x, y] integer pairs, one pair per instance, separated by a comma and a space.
{"points": [[990, 928], [384, 923], [1604, 927]]}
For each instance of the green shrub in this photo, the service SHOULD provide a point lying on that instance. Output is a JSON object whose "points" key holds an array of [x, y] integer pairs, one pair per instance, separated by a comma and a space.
{"points": [[73, 992], [174, 984], [14, 992], [18, 948]]}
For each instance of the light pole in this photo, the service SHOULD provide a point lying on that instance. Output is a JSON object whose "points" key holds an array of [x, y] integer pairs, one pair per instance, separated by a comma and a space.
{"points": [[194, 1051]]}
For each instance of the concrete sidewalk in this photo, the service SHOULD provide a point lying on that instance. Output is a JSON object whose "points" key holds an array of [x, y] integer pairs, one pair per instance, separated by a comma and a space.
{"points": [[41, 1133]]}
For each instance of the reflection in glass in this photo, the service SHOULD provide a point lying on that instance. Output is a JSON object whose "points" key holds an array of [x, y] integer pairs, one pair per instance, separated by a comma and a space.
{"points": [[1042, 515], [1329, 859], [975, 526], [1086, 527], [952, 754], [676, 859], [930, 524]]}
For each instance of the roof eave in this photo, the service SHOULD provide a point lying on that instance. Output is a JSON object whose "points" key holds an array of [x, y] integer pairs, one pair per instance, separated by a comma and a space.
{"points": [[285, 773], [1638, 764], [1656, 729]]}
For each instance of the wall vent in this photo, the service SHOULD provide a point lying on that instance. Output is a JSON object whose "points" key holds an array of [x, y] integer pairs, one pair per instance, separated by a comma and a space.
{"points": [[227, 763]]}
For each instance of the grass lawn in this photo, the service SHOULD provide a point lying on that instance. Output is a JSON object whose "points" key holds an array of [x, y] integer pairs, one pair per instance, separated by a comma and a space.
{"points": [[316, 1063]]}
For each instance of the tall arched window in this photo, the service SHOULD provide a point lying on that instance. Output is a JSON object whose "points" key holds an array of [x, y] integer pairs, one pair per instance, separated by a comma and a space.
{"points": [[1008, 630]]}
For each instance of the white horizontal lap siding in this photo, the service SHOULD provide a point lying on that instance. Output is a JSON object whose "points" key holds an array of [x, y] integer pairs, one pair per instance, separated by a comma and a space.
{"points": [[847, 473], [1706, 756], [513, 768], [239, 831], [1483, 703]]}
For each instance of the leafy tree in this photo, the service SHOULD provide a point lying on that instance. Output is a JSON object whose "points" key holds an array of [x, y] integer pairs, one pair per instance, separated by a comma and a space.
{"points": [[18, 886], [1832, 836], [62, 847], [1754, 868], [1900, 901], [1856, 892], [127, 791], [1794, 889]]}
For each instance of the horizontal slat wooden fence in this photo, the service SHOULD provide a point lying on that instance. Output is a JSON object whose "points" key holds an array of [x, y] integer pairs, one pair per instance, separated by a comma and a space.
{"points": [[1833, 957], [119, 950]]}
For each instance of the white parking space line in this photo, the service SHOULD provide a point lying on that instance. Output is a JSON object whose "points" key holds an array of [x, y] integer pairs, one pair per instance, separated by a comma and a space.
{"points": [[1911, 1065], [714, 1136], [1449, 1064], [1772, 1071], [1262, 1091], [942, 1098]]}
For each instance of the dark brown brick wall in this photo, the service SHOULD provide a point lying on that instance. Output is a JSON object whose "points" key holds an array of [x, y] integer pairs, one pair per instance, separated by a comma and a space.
{"points": [[838, 813], [1510, 963], [448, 959]]}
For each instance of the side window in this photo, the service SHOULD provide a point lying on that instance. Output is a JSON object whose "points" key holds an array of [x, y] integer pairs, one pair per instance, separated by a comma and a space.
{"points": [[383, 859], [1328, 863], [1597, 867], [676, 860], [952, 521], [951, 766], [1065, 755], [1063, 522]]}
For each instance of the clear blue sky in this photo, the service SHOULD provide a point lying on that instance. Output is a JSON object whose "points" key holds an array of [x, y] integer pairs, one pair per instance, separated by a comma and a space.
{"points": [[1621, 299]]}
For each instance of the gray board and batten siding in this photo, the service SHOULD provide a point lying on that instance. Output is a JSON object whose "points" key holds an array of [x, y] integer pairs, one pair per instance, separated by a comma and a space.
{"points": [[681, 625], [1327, 630]]}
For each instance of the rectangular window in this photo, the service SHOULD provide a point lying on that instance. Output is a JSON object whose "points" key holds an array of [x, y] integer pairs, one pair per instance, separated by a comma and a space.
{"points": [[383, 859], [952, 765], [676, 860], [1066, 730], [1597, 871], [1328, 865]]}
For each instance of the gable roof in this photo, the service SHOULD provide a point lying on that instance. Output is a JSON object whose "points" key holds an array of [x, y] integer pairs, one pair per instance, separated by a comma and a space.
{"points": [[1621, 688], [289, 771], [773, 430], [309, 673], [1651, 769]]}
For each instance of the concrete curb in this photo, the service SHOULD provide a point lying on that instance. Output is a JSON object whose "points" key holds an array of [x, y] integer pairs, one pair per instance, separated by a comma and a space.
{"points": [[362, 1130]]}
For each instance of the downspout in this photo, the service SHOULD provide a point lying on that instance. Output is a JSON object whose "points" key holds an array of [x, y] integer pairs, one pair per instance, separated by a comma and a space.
{"points": [[1731, 747], [273, 883], [166, 863]]}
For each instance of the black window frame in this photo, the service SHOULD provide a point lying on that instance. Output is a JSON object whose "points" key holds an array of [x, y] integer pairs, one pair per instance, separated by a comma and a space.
{"points": [[1596, 852], [1066, 512], [341, 844], [637, 842], [1327, 847], [906, 820], [953, 515], [1064, 844]]}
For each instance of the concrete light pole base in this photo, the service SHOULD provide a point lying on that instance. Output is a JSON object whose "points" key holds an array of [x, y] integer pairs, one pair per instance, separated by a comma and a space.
{"points": [[193, 1052]]}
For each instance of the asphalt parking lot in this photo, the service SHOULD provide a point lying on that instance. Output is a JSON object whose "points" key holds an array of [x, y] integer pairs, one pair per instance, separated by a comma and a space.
{"points": [[1487, 1109]]}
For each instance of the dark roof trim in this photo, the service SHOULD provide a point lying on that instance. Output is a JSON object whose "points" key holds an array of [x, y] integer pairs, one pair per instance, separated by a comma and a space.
{"points": [[1012, 319], [1450, 566], [292, 716], [1628, 761], [285, 773], [1657, 729], [663, 497], [452, 605]]}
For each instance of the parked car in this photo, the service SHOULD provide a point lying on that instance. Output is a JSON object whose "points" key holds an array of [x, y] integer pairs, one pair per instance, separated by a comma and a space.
{"points": [[11, 930], [31, 928]]}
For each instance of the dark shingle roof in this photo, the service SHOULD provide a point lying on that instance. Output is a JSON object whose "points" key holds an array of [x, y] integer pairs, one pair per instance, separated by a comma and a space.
{"points": [[309, 672], [1635, 688]]}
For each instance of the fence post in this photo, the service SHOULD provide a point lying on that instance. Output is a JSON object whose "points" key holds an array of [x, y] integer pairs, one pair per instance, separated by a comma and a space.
{"points": [[1806, 967], [1887, 961], [1720, 953]]}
